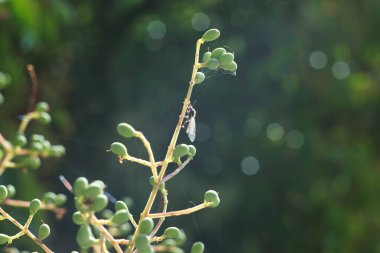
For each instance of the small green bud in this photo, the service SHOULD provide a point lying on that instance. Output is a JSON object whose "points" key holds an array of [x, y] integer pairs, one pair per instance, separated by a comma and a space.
{"points": [[36, 146], [34, 206], [120, 217], [49, 197], [197, 247], [217, 52], [181, 239], [78, 218], [60, 199], [206, 57], [43, 231], [85, 237], [232, 66], [44, 118], [99, 183], [100, 202], [37, 138], [3, 192], [146, 226], [57, 150], [126, 130], [180, 150], [211, 35], [41, 107], [92, 191], [170, 242], [4, 238], [213, 64], [213, 197], [192, 150], [151, 180], [142, 242], [226, 58], [20, 140], [120, 205], [172, 232], [199, 77], [32, 162], [118, 149], [80, 185], [11, 190]]}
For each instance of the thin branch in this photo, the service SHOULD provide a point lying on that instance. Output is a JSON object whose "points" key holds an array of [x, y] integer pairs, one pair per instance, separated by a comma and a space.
{"points": [[180, 212], [58, 211], [33, 78], [148, 148], [107, 234], [178, 170]]}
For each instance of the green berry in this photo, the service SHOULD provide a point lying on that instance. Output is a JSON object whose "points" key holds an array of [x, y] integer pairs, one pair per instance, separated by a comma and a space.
{"points": [[20, 140], [120, 217], [181, 239], [172, 232], [49, 197], [197, 247], [232, 66], [11, 190], [170, 242], [4, 238], [92, 191], [151, 181], [213, 64], [36, 146], [142, 242], [206, 57], [44, 118], [146, 226], [57, 150], [217, 52], [60, 199], [34, 206], [78, 218], [211, 35], [120, 205], [41, 107], [100, 202], [180, 150], [43, 231], [126, 130], [32, 162], [148, 249], [213, 197], [118, 149], [3, 192], [199, 77], [80, 185], [226, 58], [85, 237], [192, 150]]}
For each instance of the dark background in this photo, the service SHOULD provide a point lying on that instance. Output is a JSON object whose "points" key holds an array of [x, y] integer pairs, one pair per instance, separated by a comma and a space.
{"points": [[290, 142]]}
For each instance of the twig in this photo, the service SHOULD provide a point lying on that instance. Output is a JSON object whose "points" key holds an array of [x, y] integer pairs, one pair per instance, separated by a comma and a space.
{"points": [[176, 171], [180, 212], [107, 234], [58, 211]]}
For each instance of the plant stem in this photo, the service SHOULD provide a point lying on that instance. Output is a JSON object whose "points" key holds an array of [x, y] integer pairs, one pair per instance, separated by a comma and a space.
{"points": [[25, 231], [59, 211], [180, 212], [146, 143], [105, 232]]}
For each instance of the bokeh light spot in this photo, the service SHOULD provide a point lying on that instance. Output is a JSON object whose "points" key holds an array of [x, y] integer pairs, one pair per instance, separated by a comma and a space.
{"points": [[200, 21], [156, 29], [295, 139], [318, 60], [341, 70], [252, 127], [275, 131], [250, 165]]}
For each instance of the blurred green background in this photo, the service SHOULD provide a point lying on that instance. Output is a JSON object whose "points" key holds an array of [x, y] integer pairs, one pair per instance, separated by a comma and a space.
{"points": [[290, 143]]}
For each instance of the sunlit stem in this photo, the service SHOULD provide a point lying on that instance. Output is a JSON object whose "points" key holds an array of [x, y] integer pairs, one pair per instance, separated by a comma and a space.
{"points": [[25, 121], [181, 212], [164, 193], [59, 211], [122, 241], [157, 239], [164, 248], [148, 148], [25, 231], [107, 234], [178, 170], [136, 160]]}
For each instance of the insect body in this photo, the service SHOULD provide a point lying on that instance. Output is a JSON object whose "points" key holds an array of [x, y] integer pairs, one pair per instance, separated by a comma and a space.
{"points": [[190, 122]]}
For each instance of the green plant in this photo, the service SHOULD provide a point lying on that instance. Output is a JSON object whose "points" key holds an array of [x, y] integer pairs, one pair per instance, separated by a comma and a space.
{"points": [[90, 197]]}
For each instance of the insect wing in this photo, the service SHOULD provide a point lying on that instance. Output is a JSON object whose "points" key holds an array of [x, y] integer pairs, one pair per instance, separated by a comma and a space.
{"points": [[191, 129]]}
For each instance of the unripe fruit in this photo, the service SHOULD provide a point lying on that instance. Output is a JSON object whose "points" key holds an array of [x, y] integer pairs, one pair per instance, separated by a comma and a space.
{"points": [[49, 197], [172, 232], [36, 146], [4, 238], [92, 191], [80, 185], [120, 205], [170, 242], [226, 58], [78, 218], [3, 192], [181, 150], [100, 202], [126, 130], [44, 231], [211, 35], [142, 241], [60, 199], [118, 149], [32, 162], [197, 247], [147, 250], [41, 107], [232, 66], [181, 239], [199, 77], [213, 197], [213, 64], [217, 52], [146, 226], [34, 206], [206, 57], [11, 190], [20, 140], [85, 238], [120, 217], [57, 150], [192, 150], [44, 118]]}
